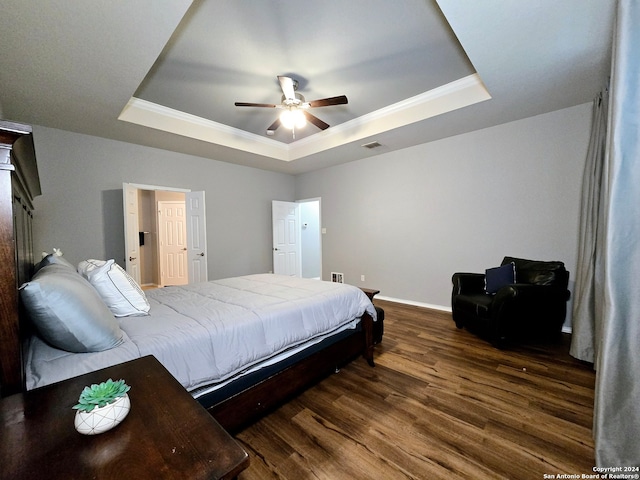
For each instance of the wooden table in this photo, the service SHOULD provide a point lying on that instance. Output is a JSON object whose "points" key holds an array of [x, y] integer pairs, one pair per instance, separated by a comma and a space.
{"points": [[378, 327], [167, 434], [370, 292]]}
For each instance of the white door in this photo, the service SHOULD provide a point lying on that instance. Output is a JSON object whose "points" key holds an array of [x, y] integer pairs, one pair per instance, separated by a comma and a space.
{"points": [[286, 238], [172, 243], [196, 237], [131, 229]]}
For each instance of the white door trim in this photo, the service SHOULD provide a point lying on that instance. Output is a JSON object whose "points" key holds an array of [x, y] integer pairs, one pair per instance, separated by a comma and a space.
{"points": [[131, 231], [141, 186]]}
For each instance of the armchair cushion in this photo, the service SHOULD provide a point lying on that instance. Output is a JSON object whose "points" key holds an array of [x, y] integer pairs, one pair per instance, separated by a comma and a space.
{"points": [[538, 272], [498, 277]]}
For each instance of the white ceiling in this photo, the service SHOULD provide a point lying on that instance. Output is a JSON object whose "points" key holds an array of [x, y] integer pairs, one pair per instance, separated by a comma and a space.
{"points": [[413, 70]]}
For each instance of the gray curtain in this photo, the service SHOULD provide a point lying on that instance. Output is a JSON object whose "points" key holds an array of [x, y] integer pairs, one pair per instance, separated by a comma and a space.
{"points": [[608, 323], [586, 294]]}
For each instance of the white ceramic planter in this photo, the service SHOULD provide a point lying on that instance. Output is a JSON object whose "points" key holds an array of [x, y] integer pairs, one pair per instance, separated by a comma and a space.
{"points": [[101, 419]]}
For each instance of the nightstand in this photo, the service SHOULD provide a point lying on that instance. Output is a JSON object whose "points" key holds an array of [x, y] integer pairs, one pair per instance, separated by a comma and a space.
{"points": [[369, 292], [378, 326], [167, 434]]}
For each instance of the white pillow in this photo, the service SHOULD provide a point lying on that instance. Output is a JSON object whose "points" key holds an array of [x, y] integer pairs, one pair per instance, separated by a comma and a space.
{"points": [[118, 290]]}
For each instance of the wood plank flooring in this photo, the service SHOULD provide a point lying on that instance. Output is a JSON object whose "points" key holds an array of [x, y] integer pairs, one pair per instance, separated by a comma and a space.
{"points": [[441, 403]]}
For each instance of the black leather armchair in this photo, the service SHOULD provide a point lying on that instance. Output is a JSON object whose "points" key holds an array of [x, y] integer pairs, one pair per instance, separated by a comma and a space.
{"points": [[532, 309]]}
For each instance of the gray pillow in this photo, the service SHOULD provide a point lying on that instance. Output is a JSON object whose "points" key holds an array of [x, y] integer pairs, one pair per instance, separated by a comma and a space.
{"points": [[52, 259], [68, 312]]}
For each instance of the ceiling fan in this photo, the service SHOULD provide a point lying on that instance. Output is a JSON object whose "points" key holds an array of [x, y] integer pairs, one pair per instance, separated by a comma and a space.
{"points": [[295, 108]]}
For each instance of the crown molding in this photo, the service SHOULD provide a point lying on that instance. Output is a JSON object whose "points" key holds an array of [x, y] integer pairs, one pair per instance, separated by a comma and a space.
{"points": [[446, 98]]}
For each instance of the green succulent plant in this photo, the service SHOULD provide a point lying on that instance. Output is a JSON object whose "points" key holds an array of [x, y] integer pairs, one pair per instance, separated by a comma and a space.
{"points": [[99, 395]]}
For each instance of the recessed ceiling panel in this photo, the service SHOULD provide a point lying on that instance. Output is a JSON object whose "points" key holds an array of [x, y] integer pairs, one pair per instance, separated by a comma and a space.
{"points": [[229, 51]]}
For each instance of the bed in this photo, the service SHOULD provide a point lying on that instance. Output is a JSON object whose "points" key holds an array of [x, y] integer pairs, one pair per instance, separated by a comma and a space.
{"points": [[208, 335], [241, 346]]}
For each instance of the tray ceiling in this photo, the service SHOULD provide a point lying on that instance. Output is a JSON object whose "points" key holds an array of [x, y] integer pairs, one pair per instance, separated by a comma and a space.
{"points": [[413, 71]]}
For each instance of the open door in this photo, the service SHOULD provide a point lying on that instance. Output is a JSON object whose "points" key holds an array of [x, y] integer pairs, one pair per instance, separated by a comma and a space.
{"points": [[196, 237], [286, 238], [131, 238]]}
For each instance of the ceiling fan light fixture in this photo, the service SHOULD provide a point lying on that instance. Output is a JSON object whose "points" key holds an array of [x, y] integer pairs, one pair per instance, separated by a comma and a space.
{"points": [[293, 118], [294, 106]]}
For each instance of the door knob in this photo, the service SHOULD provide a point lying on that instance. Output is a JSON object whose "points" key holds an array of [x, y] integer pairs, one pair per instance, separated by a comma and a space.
{"points": [[201, 254], [131, 259], [275, 249]]}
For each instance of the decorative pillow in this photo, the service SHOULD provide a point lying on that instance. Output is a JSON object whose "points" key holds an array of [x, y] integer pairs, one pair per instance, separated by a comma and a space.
{"points": [[118, 290], [498, 277], [68, 312]]}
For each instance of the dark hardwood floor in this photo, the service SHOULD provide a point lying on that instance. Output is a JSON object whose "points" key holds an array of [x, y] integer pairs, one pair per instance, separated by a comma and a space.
{"points": [[441, 403]]}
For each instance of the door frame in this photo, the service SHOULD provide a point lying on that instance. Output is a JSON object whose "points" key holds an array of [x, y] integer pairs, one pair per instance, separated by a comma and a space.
{"points": [[301, 260], [131, 240], [142, 186]]}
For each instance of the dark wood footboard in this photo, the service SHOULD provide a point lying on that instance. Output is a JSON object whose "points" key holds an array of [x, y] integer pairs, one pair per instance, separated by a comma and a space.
{"points": [[240, 410]]}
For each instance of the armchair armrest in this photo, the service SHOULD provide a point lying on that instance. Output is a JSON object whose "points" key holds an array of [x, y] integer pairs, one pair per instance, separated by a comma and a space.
{"points": [[467, 283]]}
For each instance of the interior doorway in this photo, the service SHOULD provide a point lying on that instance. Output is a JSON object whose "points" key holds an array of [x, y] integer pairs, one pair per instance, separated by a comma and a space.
{"points": [[311, 238], [144, 239], [160, 261], [297, 238]]}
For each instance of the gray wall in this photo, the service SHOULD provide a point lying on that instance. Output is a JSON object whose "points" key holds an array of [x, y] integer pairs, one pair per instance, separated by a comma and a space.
{"points": [[406, 220], [409, 219], [80, 210]]}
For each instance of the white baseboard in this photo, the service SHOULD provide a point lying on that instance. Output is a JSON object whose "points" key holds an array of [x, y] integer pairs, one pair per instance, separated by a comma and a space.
{"points": [[565, 328], [415, 304]]}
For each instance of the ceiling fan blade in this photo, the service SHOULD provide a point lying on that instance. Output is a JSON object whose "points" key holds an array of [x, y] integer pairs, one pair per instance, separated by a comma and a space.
{"points": [[315, 120], [273, 127], [325, 102], [286, 83], [246, 104]]}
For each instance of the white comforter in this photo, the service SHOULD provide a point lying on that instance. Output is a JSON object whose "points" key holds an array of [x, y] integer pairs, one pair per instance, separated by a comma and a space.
{"points": [[208, 332]]}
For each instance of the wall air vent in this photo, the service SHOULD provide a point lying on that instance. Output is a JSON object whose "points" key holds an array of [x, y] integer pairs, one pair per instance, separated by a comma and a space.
{"points": [[337, 277], [371, 145]]}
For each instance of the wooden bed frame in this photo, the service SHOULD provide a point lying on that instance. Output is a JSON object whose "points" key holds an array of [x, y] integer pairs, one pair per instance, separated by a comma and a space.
{"points": [[19, 186], [242, 409]]}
